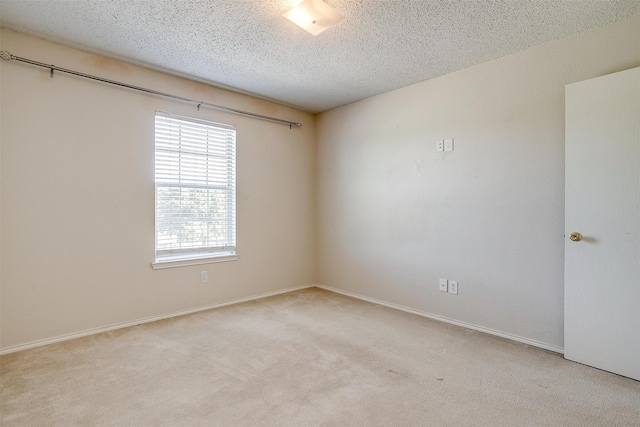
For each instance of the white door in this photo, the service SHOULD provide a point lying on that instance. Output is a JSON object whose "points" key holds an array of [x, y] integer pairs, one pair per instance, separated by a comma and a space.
{"points": [[602, 269]]}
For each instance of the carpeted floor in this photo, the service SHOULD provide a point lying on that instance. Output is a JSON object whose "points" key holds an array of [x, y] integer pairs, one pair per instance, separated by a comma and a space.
{"points": [[307, 358]]}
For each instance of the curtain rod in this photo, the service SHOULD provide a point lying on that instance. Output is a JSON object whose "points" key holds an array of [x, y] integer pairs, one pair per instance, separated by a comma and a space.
{"points": [[7, 56]]}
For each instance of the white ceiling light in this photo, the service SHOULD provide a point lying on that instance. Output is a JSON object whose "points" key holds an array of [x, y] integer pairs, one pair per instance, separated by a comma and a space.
{"points": [[313, 16]]}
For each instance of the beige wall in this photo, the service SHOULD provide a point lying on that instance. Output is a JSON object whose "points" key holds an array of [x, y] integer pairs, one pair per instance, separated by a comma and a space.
{"points": [[394, 215], [78, 197]]}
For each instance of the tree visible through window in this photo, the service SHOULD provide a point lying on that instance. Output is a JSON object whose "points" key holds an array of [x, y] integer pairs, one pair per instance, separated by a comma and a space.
{"points": [[195, 188]]}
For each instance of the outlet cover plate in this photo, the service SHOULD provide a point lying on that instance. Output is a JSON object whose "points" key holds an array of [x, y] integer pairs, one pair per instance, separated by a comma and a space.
{"points": [[453, 287]]}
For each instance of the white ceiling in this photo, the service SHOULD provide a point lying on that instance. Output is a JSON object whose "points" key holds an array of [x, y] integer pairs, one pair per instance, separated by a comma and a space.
{"points": [[246, 45]]}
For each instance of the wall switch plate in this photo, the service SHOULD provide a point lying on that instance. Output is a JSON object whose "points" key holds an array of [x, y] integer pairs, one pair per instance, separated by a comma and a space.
{"points": [[204, 276], [442, 285], [440, 146], [453, 287], [448, 144]]}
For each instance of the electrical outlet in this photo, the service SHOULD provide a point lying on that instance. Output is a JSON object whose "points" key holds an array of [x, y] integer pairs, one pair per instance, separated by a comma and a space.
{"points": [[442, 285], [204, 276], [440, 146], [453, 287]]}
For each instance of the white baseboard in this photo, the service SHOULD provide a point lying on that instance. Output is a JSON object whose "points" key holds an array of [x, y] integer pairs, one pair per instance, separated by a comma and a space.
{"points": [[273, 293], [444, 319], [145, 320]]}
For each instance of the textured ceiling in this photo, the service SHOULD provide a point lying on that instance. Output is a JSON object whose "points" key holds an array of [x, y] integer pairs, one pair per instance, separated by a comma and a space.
{"points": [[246, 45]]}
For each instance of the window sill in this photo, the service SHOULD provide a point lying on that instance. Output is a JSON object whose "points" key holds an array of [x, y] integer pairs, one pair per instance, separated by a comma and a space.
{"points": [[183, 262]]}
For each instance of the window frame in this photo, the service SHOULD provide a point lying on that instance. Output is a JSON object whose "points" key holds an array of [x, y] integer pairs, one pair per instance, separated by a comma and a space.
{"points": [[175, 257]]}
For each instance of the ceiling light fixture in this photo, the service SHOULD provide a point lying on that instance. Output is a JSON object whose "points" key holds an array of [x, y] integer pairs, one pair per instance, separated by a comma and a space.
{"points": [[313, 16]]}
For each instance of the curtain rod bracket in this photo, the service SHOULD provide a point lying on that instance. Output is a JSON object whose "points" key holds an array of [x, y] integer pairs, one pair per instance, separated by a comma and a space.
{"points": [[51, 71]]}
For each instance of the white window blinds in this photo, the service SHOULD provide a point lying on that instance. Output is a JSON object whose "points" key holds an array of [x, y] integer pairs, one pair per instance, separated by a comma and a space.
{"points": [[195, 184]]}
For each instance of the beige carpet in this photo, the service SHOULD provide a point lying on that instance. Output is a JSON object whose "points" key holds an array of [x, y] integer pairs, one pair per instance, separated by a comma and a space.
{"points": [[307, 358]]}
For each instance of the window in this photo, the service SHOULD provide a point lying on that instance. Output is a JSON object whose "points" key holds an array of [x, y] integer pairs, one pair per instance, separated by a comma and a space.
{"points": [[195, 182]]}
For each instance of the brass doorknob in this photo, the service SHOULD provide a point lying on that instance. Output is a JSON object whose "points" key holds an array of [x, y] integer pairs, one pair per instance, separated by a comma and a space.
{"points": [[575, 236]]}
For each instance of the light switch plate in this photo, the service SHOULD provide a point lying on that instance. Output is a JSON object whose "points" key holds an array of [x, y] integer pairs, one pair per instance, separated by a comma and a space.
{"points": [[448, 144], [440, 146], [442, 285]]}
